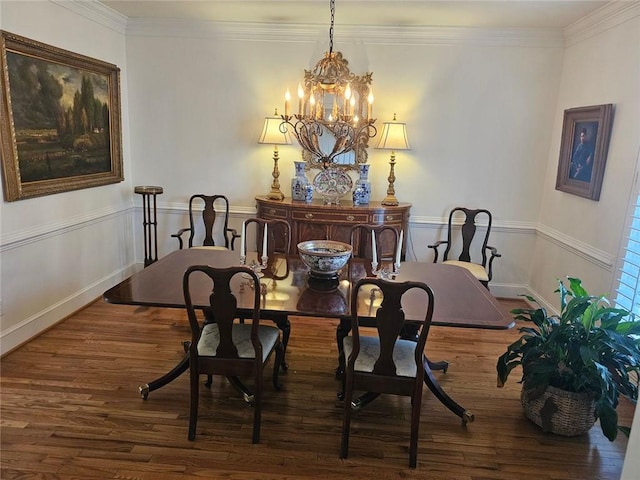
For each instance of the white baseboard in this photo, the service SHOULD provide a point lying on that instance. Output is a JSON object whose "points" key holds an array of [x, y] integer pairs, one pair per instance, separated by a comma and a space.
{"points": [[31, 327]]}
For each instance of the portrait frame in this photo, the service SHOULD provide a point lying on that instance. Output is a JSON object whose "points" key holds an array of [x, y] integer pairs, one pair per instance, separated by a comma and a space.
{"points": [[586, 132], [60, 119]]}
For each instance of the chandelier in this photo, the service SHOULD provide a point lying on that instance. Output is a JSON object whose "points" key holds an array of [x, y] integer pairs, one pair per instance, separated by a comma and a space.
{"points": [[333, 102]]}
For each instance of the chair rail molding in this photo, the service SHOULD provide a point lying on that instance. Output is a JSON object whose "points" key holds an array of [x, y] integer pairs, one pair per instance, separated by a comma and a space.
{"points": [[20, 238], [507, 226], [577, 247], [183, 208], [596, 256]]}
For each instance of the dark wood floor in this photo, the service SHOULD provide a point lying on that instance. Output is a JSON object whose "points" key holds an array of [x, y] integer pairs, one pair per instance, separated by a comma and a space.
{"points": [[71, 410]]}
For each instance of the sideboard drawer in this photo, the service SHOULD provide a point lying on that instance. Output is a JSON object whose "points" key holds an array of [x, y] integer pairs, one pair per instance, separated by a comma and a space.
{"points": [[330, 217], [270, 212]]}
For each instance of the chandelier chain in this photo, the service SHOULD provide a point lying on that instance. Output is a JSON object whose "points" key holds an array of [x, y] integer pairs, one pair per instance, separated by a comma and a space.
{"points": [[333, 14]]}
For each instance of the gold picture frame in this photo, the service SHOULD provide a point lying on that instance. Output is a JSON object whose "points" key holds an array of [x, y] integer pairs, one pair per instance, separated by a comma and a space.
{"points": [[60, 119], [586, 132]]}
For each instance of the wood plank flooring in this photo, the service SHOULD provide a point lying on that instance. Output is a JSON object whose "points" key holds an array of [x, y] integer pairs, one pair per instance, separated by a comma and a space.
{"points": [[70, 409]]}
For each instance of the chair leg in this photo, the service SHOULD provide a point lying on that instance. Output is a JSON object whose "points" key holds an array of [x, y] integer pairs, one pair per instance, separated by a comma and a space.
{"points": [[195, 393], [209, 381], [276, 366], [416, 403], [346, 421], [341, 332], [257, 408]]}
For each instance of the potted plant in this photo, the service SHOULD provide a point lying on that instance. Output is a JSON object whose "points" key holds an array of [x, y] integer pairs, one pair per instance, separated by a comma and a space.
{"points": [[575, 365]]}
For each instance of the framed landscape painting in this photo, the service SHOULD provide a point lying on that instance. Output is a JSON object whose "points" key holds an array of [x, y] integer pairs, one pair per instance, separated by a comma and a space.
{"points": [[583, 150], [59, 120]]}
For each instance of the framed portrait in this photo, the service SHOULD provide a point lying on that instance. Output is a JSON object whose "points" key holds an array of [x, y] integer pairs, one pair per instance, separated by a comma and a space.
{"points": [[59, 120], [583, 150]]}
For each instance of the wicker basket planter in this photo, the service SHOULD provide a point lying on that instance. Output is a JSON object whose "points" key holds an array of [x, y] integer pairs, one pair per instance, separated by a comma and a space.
{"points": [[561, 412]]}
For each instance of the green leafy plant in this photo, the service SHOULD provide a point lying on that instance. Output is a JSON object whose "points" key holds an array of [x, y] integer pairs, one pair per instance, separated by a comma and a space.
{"points": [[589, 347]]}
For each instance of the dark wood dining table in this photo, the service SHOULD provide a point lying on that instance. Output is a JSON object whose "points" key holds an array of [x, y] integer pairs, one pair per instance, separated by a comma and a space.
{"points": [[287, 290]]}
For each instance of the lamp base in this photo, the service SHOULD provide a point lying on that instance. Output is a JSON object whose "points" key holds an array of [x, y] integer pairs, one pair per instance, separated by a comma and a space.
{"points": [[275, 195], [390, 201]]}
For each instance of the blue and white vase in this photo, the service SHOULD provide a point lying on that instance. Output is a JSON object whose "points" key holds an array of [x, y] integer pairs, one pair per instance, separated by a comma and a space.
{"points": [[309, 193], [299, 183], [357, 195], [364, 184]]}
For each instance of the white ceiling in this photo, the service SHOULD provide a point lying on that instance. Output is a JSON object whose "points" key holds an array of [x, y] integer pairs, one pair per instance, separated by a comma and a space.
{"points": [[455, 13]]}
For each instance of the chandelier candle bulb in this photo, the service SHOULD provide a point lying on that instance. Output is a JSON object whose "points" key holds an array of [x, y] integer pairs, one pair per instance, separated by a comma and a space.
{"points": [[300, 98], [399, 249], [242, 252], [370, 105], [374, 253], [264, 240], [287, 99]]}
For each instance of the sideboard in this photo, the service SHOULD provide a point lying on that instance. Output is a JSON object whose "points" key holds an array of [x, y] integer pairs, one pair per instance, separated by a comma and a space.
{"points": [[316, 221]]}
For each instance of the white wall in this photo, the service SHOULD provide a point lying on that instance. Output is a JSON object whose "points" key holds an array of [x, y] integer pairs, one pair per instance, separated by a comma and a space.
{"points": [[484, 112], [478, 107], [603, 67], [483, 109], [60, 252]]}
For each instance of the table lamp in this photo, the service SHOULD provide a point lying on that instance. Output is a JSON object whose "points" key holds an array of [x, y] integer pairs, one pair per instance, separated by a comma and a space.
{"points": [[393, 137], [272, 134]]}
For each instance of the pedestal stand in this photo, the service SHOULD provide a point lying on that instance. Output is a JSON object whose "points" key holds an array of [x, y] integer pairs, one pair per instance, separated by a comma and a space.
{"points": [[149, 221]]}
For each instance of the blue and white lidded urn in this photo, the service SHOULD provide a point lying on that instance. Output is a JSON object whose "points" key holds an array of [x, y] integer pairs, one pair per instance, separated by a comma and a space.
{"points": [[364, 184], [299, 183]]}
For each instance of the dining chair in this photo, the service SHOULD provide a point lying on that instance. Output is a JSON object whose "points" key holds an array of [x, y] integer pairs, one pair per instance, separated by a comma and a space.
{"points": [[385, 363], [225, 347], [278, 241], [461, 239], [278, 235], [215, 223], [387, 238]]}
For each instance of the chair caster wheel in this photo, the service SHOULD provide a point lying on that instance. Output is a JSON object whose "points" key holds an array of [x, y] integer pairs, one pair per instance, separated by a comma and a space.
{"points": [[284, 367], [467, 417], [340, 396], [144, 391]]}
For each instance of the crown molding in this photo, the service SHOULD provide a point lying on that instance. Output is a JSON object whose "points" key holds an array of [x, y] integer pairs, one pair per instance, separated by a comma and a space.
{"points": [[96, 11], [387, 35], [605, 18], [609, 16]]}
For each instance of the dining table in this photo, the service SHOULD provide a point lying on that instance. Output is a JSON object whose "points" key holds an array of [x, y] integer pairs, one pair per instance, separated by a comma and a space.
{"points": [[288, 290]]}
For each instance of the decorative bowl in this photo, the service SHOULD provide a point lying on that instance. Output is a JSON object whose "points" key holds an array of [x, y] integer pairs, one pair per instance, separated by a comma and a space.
{"points": [[325, 258]]}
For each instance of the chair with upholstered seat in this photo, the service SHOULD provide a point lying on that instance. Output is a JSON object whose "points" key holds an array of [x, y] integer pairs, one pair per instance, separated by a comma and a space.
{"points": [[464, 242], [278, 242], [385, 363], [215, 223], [224, 347]]}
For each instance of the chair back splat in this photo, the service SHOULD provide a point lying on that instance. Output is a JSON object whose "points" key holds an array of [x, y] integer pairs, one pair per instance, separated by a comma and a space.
{"points": [[387, 363], [213, 207], [387, 238], [221, 346], [482, 267], [278, 235]]}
